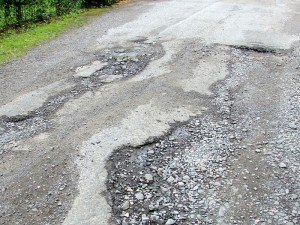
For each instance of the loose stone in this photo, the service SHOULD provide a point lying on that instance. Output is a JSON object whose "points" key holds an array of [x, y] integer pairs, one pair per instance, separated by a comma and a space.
{"points": [[139, 196], [282, 165], [148, 177], [170, 222], [125, 205]]}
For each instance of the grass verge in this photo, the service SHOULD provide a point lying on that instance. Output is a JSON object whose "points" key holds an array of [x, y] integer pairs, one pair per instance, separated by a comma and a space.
{"points": [[15, 43]]}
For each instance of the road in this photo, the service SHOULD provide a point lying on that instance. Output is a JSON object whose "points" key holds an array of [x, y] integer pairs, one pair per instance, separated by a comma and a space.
{"points": [[157, 112]]}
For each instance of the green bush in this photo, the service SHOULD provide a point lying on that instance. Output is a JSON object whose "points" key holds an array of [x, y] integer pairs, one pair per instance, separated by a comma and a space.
{"points": [[67, 6], [18, 12]]}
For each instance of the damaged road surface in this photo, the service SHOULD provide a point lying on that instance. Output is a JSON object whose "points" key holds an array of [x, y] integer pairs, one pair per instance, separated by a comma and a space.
{"points": [[157, 112]]}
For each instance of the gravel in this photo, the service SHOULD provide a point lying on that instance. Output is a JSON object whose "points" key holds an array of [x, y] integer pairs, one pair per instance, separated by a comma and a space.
{"points": [[15, 129], [238, 163]]}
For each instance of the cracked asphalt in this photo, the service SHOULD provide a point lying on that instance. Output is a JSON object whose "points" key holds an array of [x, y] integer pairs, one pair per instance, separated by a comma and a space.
{"points": [[157, 112]]}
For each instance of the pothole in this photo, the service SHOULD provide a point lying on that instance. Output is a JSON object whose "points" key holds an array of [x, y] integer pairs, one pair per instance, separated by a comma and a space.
{"points": [[116, 63]]}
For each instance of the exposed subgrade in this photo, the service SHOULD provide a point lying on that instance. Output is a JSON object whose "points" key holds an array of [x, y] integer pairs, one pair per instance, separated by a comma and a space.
{"points": [[201, 171], [120, 63], [174, 179]]}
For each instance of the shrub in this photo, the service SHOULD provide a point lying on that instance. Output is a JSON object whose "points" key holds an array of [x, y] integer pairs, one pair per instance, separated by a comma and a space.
{"points": [[16, 12]]}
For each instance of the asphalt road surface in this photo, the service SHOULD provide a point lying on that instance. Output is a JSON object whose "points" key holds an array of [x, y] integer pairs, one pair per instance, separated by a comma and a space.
{"points": [[157, 112]]}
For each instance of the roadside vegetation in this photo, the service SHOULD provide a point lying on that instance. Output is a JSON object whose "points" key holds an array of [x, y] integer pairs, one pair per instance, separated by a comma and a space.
{"points": [[25, 23], [16, 13]]}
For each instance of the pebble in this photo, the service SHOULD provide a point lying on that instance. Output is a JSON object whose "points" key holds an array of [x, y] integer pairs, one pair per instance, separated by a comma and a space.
{"points": [[282, 165], [152, 207], [125, 205], [180, 184], [293, 126], [145, 218], [171, 179], [170, 222], [139, 196], [160, 171], [186, 177], [294, 196], [154, 217], [148, 177], [151, 152], [129, 189]]}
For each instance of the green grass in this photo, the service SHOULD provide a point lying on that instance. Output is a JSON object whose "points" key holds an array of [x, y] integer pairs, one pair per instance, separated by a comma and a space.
{"points": [[15, 43]]}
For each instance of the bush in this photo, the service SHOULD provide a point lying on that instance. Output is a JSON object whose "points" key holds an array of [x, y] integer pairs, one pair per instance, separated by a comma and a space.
{"points": [[67, 6], [99, 2], [17, 12]]}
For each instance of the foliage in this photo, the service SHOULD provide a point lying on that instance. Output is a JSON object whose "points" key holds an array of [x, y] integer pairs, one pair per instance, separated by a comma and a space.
{"points": [[99, 2], [21, 12]]}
